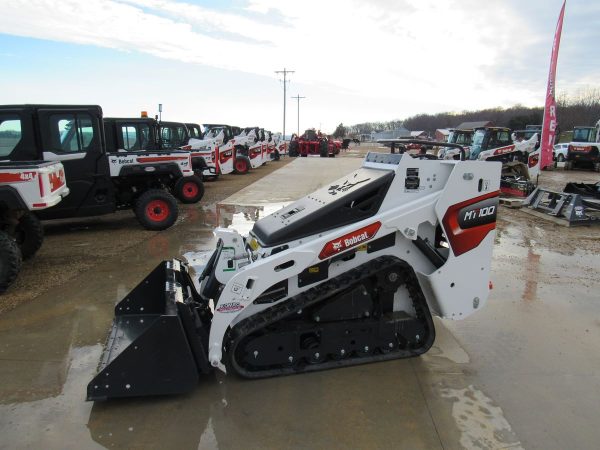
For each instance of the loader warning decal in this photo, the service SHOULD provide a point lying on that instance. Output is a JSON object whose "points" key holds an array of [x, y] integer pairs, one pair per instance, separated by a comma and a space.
{"points": [[467, 223], [345, 186], [349, 240], [229, 307]]}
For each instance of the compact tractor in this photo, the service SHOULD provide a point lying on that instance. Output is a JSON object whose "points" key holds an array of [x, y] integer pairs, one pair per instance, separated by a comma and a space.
{"points": [[314, 143], [350, 274]]}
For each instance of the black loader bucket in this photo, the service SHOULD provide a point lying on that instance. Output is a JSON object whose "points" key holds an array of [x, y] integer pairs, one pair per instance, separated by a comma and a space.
{"points": [[158, 342]]}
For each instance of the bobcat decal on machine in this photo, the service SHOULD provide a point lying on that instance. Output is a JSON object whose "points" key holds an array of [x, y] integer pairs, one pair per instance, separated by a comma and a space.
{"points": [[349, 274]]}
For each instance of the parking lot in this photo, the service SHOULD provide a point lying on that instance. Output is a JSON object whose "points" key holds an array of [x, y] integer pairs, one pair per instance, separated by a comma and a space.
{"points": [[522, 373]]}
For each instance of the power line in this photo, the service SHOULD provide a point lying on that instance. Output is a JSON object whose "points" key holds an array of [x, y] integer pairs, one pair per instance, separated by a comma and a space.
{"points": [[284, 72], [298, 97]]}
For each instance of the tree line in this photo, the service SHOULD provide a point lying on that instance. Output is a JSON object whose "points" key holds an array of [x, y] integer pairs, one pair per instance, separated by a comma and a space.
{"points": [[579, 109]]}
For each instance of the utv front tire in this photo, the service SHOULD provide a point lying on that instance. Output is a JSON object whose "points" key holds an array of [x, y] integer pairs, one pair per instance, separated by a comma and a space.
{"points": [[10, 261], [241, 165], [156, 209], [189, 189], [29, 235]]}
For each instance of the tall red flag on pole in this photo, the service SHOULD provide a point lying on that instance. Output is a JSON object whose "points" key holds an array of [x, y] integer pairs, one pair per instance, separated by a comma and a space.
{"points": [[550, 122]]}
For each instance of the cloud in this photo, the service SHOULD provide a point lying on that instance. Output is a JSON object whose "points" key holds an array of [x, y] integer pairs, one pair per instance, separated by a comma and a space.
{"points": [[419, 55]]}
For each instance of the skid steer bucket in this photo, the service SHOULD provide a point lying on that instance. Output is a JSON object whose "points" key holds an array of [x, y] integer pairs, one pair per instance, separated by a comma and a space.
{"points": [[158, 341]]}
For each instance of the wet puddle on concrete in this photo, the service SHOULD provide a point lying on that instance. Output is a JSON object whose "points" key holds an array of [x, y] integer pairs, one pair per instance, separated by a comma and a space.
{"points": [[481, 423]]}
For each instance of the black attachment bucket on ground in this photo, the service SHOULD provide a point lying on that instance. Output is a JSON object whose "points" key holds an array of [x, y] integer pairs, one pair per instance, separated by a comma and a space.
{"points": [[158, 341]]}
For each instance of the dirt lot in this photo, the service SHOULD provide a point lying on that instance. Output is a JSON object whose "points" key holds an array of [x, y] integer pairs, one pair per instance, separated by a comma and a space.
{"points": [[73, 246]]}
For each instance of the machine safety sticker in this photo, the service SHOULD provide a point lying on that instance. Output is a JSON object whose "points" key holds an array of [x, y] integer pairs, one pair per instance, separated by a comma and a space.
{"points": [[345, 186], [236, 288], [229, 307]]}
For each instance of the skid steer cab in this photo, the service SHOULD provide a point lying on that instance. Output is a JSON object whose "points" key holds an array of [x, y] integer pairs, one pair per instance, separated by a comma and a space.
{"points": [[101, 182], [215, 151], [519, 157], [347, 275]]}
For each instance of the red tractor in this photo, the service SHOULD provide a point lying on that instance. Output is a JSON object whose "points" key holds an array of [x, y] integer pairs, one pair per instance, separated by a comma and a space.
{"points": [[315, 143]]}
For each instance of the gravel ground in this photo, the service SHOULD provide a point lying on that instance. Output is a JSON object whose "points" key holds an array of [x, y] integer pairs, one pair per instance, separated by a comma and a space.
{"points": [[73, 246]]}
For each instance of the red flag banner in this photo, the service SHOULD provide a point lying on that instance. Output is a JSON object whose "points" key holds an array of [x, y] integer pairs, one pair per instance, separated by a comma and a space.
{"points": [[550, 123]]}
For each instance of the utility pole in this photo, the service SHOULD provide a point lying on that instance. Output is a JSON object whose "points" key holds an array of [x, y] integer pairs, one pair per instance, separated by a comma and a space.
{"points": [[284, 72], [297, 97]]}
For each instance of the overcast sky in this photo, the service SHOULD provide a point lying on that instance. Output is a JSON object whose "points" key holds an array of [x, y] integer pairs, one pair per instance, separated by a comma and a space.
{"points": [[355, 61]]}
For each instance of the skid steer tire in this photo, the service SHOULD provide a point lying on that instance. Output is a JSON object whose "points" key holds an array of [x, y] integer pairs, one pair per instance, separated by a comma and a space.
{"points": [[29, 235], [156, 209], [189, 189], [241, 165], [10, 261]]}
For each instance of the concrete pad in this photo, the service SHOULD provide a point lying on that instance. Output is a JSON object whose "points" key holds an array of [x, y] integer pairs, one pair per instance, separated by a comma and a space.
{"points": [[523, 372], [297, 179]]}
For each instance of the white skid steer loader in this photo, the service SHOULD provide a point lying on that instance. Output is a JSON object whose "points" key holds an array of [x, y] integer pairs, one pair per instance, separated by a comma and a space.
{"points": [[349, 274]]}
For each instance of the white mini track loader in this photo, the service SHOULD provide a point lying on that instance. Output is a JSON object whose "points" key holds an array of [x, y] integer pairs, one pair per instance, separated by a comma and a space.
{"points": [[349, 274]]}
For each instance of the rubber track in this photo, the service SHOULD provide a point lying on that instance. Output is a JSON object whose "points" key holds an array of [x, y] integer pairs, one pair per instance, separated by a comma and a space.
{"points": [[313, 296]]}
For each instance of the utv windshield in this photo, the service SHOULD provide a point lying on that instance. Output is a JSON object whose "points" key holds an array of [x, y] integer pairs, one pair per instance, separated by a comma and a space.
{"points": [[212, 133], [477, 143], [194, 131], [582, 134]]}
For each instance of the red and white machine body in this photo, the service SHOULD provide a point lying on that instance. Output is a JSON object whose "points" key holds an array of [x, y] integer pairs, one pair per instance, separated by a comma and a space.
{"points": [[425, 199], [39, 184]]}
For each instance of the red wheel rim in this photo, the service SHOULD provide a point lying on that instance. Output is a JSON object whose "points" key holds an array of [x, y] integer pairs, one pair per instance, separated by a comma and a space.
{"points": [[157, 210], [240, 165], [190, 189]]}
